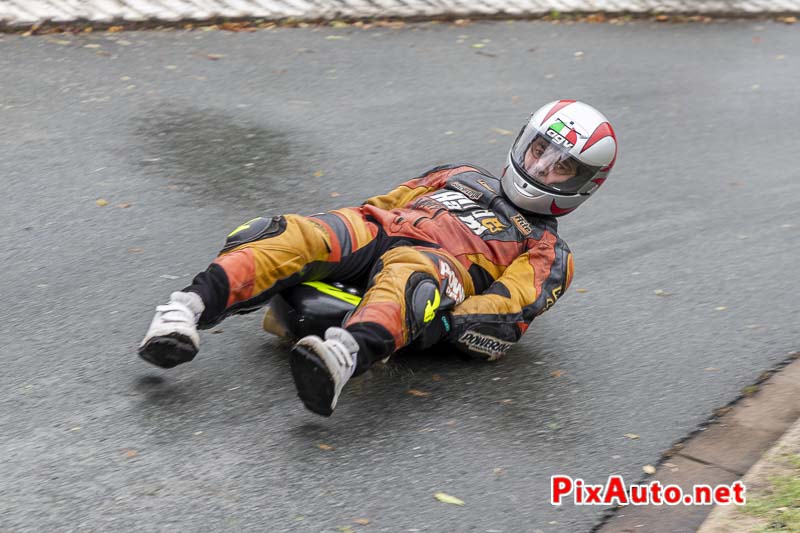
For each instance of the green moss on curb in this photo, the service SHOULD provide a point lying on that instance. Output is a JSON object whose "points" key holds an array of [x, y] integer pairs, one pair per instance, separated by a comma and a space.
{"points": [[779, 505]]}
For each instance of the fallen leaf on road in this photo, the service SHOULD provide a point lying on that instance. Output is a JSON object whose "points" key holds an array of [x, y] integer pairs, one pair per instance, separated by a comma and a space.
{"points": [[436, 377], [478, 45], [361, 521], [114, 29], [130, 454], [135, 250], [319, 174], [394, 24], [418, 393], [788, 20], [336, 38], [91, 46], [659, 292], [649, 469], [501, 131], [582, 290], [325, 447], [100, 202], [344, 529], [124, 205], [557, 373], [498, 471], [446, 498], [237, 26], [335, 195], [215, 57], [720, 308], [632, 436]]}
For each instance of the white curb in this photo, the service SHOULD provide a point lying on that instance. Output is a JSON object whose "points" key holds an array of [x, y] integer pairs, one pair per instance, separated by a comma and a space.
{"points": [[27, 12]]}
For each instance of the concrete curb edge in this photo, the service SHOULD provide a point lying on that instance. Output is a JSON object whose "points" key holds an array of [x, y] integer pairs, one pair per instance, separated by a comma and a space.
{"points": [[21, 13]]}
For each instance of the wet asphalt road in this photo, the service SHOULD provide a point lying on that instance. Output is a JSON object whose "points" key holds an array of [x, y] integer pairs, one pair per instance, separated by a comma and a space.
{"points": [[703, 205]]}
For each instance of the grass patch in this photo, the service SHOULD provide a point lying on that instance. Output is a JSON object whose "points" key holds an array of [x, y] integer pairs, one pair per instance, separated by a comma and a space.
{"points": [[779, 507]]}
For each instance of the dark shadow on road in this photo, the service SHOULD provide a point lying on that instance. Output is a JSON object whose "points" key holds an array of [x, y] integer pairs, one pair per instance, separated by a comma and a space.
{"points": [[219, 158], [160, 392]]}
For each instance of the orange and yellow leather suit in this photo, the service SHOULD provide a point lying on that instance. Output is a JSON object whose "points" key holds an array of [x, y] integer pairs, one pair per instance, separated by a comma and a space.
{"points": [[444, 255]]}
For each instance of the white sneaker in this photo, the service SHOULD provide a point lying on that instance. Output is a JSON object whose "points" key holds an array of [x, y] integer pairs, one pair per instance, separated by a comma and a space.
{"points": [[321, 368], [172, 338]]}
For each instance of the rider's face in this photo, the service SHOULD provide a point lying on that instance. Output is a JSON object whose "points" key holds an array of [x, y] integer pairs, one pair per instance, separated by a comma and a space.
{"points": [[545, 163]]}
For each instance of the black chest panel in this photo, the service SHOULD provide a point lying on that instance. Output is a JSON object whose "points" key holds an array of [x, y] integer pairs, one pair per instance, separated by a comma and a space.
{"points": [[476, 200]]}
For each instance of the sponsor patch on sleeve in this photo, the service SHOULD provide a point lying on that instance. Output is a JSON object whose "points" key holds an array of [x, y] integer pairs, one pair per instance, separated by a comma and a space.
{"points": [[523, 225], [485, 344], [469, 192]]}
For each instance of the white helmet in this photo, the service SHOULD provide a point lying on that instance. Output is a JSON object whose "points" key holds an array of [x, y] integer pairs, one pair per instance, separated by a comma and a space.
{"points": [[561, 156]]}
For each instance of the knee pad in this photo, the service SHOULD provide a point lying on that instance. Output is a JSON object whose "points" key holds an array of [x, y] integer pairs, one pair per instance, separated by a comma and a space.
{"points": [[422, 302], [255, 230]]}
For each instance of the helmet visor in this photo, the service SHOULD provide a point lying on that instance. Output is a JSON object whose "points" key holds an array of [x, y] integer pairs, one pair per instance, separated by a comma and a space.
{"points": [[549, 165]]}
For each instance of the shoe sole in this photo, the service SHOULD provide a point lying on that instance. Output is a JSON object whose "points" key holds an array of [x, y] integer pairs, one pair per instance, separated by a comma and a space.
{"points": [[313, 380], [168, 351]]}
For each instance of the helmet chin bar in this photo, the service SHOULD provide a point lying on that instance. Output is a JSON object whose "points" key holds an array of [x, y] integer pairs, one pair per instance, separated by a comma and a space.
{"points": [[524, 188], [529, 198]]}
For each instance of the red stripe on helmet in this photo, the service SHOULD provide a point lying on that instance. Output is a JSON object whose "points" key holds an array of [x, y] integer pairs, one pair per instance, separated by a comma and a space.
{"points": [[599, 181], [601, 132], [558, 210], [560, 105]]}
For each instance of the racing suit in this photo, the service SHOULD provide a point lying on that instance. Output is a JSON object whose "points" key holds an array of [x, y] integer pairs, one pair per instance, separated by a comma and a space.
{"points": [[444, 255]]}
